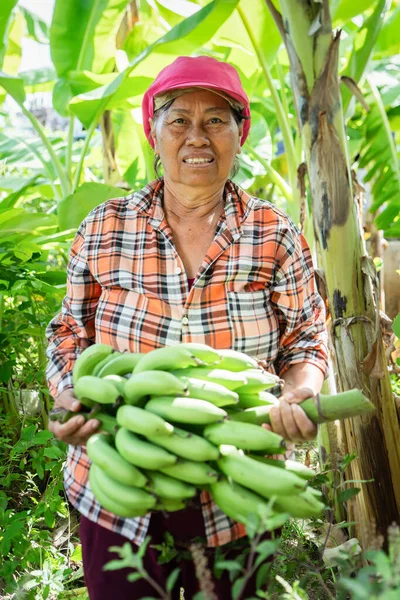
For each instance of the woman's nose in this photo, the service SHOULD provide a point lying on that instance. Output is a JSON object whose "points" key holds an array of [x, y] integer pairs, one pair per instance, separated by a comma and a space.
{"points": [[197, 136]]}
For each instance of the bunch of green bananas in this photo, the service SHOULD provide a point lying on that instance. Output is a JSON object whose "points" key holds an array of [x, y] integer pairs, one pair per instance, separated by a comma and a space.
{"points": [[181, 419]]}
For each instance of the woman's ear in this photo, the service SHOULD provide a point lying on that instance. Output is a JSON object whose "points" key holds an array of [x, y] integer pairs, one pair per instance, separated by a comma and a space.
{"points": [[153, 134], [239, 150]]}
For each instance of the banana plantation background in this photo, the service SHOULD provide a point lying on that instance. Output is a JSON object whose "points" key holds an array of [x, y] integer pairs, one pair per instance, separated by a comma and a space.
{"points": [[324, 83]]}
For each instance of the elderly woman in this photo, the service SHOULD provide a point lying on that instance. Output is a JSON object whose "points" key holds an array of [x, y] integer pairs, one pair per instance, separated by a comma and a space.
{"points": [[190, 257]]}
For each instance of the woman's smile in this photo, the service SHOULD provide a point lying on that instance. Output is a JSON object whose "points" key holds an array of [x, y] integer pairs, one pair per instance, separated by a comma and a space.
{"points": [[198, 161]]}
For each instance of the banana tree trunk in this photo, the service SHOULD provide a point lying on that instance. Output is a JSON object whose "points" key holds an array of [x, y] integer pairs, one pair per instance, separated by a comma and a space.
{"points": [[351, 281]]}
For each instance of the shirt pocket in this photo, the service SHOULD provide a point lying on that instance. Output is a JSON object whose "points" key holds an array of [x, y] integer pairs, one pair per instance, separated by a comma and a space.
{"points": [[254, 324]]}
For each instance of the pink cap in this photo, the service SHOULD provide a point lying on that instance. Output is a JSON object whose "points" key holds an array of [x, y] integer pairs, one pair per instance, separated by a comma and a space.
{"points": [[198, 71]]}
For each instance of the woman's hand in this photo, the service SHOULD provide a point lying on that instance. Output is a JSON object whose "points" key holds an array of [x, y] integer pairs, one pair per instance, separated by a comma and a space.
{"points": [[289, 420], [77, 430]]}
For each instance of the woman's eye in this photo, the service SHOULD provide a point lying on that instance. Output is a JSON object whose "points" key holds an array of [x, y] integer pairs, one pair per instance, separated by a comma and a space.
{"points": [[215, 120], [179, 121]]}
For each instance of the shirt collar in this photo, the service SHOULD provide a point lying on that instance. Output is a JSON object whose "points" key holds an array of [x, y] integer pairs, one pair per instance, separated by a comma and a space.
{"points": [[238, 204]]}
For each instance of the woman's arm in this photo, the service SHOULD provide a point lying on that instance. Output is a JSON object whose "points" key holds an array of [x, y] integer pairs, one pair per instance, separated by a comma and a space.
{"points": [[303, 375], [69, 333]]}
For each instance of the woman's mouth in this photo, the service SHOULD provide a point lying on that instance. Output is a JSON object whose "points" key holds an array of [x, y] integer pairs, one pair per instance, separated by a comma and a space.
{"points": [[198, 161]]}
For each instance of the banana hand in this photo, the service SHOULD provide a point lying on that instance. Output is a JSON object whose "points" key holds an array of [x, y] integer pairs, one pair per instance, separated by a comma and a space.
{"points": [[88, 359]]}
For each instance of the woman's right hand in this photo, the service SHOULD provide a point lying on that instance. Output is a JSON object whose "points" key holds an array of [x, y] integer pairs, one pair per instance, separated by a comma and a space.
{"points": [[76, 430]]}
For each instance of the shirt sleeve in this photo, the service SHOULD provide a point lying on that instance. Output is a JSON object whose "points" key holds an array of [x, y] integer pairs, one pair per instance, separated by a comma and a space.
{"points": [[299, 307], [73, 329]]}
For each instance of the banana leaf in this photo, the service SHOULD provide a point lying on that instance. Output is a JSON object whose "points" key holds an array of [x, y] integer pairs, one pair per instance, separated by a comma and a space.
{"points": [[82, 34], [73, 209], [388, 42], [37, 28], [380, 157], [134, 163], [38, 80], [187, 37], [6, 8], [12, 54], [83, 37], [363, 47]]}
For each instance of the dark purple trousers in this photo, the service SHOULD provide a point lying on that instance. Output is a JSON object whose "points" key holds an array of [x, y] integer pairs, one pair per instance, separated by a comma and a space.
{"points": [[184, 526]]}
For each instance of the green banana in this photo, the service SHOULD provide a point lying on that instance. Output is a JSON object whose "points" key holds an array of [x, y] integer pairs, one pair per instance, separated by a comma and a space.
{"points": [[131, 497], [258, 381], [103, 362], [204, 353], [258, 415], [232, 360], [120, 365], [140, 453], [302, 506], [258, 399], [236, 501], [169, 487], [167, 359], [143, 421], [244, 436], [118, 381], [260, 478], [221, 376], [170, 505], [290, 465], [101, 452], [185, 410], [187, 445], [116, 508], [95, 390], [152, 383], [88, 359], [197, 473], [212, 392]]}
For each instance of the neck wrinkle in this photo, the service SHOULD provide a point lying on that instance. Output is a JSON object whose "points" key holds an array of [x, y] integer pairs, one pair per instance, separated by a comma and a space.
{"points": [[178, 207]]}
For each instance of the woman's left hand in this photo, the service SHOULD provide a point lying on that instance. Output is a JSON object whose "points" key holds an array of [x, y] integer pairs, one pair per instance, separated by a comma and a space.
{"points": [[289, 420]]}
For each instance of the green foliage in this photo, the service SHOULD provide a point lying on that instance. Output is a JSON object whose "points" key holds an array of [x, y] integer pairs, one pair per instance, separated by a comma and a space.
{"points": [[396, 326], [380, 579], [31, 504], [30, 294], [5, 14]]}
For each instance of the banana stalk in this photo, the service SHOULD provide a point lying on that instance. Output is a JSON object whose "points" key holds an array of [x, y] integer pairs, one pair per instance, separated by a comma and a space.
{"points": [[320, 409]]}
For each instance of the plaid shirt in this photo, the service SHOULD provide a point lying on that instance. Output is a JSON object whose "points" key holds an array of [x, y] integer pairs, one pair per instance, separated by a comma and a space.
{"points": [[127, 287]]}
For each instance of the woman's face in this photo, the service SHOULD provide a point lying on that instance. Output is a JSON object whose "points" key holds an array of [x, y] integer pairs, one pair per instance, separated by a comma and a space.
{"points": [[197, 139]]}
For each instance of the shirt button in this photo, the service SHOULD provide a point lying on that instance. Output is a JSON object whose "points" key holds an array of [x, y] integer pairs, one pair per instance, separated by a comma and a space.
{"points": [[185, 321], [178, 270]]}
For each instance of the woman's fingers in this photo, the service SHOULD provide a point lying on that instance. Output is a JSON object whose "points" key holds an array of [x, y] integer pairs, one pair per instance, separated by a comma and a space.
{"points": [[83, 434], [76, 431], [306, 427], [276, 421], [291, 422]]}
